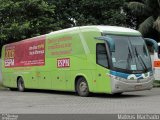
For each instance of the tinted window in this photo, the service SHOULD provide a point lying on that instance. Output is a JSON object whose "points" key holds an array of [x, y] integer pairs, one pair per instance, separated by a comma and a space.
{"points": [[101, 54]]}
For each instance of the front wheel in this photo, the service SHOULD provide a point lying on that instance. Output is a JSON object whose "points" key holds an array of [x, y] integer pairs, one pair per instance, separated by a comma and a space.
{"points": [[82, 87], [20, 85], [118, 94]]}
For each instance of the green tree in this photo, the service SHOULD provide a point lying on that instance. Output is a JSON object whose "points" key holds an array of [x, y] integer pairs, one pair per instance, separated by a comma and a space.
{"points": [[23, 19], [149, 12], [90, 12]]}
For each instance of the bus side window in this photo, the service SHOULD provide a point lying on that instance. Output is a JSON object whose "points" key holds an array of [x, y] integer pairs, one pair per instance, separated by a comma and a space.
{"points": [[101, 55]]}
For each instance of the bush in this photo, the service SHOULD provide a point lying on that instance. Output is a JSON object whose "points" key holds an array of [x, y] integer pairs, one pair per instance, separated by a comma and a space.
{"points": [[156, 83]]}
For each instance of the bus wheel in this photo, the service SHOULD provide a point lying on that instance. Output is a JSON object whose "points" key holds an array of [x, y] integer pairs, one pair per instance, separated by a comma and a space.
{"points": [[82, 87], [13, 89], [20, 85], [118, 94]]}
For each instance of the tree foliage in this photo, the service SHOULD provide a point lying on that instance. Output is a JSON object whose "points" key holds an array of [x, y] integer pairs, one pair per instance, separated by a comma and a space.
{"points": [[20, 19], [90, 12], [149, 12]]}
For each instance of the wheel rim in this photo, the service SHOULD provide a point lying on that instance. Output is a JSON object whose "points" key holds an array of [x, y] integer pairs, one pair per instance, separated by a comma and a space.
{"points": [[21, 85], [83, 87]]}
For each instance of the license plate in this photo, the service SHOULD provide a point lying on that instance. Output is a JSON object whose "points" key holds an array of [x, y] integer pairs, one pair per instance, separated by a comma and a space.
{"points": [[138, 87]]}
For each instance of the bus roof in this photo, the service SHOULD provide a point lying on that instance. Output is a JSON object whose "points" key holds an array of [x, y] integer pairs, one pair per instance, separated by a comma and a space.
{"points": [[118, 30], [104, 29]]}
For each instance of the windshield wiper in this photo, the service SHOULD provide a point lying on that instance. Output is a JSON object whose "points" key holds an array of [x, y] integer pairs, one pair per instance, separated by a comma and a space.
{"points": [[129, 58], [140, 58]]}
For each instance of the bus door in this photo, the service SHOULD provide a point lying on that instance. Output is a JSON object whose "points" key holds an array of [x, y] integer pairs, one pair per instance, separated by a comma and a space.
{"points": [[102, 64]]}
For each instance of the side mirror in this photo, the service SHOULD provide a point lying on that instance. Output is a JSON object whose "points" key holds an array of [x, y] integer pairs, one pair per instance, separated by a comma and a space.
{"points": [[109, 41], [158, 51], [152, 43]]}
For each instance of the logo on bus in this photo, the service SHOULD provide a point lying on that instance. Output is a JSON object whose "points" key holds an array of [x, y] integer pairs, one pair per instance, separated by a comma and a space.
{"points": [[156, 63], [9, 62], [9, 56], [63, 62]]}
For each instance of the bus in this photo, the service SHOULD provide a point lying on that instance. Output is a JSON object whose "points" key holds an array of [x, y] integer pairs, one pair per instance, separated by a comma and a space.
{"points": [[156, 63], [86, 59]]}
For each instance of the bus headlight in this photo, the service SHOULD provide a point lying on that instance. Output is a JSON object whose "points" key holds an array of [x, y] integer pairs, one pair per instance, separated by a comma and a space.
{"points": [[119, 78]]}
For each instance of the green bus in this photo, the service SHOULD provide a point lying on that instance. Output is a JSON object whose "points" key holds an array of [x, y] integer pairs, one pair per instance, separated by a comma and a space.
{"points": [[86, 59]]}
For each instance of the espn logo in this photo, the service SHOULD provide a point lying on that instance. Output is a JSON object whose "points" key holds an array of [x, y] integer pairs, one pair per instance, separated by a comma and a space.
{"points": [[63, 62]]}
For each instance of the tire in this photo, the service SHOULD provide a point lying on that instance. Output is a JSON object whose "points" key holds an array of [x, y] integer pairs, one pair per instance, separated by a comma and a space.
{"points": [[20, 85], [118, 94], [13, 89], [82, 87]]}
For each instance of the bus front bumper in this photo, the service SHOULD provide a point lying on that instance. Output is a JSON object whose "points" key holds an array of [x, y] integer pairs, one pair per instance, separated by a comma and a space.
{"points": [[119, 86]]}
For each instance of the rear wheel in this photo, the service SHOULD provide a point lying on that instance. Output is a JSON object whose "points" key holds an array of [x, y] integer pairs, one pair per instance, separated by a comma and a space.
{"points": [[13, 89], [20, 85], [82, 87]]}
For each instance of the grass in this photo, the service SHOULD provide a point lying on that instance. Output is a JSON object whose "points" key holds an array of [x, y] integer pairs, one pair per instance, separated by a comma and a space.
{"points": [[156, 83]]}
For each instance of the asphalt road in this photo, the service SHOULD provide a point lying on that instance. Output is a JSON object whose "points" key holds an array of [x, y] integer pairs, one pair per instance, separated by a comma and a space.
{"points": [[61, 102]]}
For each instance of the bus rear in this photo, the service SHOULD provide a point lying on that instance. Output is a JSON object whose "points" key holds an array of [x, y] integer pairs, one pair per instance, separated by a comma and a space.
{"points": [[156, 63]]}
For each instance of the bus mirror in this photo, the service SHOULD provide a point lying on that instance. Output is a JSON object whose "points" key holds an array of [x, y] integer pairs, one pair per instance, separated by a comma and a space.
{"points": [[153, 43], [109, 41], [158, 51]]}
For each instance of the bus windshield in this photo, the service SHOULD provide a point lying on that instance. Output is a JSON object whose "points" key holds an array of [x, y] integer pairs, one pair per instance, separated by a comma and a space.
{"points": [[131, 54]]}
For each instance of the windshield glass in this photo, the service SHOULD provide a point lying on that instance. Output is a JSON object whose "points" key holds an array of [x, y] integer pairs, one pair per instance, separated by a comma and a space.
{"points": [[130, 54]]}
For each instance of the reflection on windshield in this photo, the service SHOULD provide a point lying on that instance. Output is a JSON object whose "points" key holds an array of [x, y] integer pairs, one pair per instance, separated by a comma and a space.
{"points": [[130, 53]]}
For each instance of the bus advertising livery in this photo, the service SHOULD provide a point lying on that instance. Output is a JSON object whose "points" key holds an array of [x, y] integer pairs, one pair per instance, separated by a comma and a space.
{"points": [[87, 59]]}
